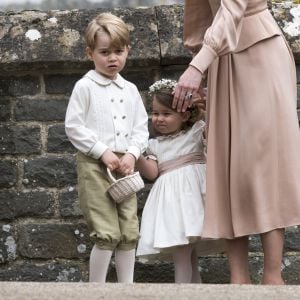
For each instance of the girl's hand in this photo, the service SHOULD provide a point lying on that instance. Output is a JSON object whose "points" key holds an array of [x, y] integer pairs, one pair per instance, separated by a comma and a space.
{"points": [[200, 98], [110, 159], [127, 163], [188, 83], [147, 167]]}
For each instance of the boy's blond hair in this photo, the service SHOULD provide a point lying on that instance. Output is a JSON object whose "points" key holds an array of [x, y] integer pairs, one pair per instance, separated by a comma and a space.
{"points": [[112, 25]]}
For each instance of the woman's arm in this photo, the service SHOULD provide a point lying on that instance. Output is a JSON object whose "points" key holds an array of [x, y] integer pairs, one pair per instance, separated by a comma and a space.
{"points": [[223, 35], [220, 38]]}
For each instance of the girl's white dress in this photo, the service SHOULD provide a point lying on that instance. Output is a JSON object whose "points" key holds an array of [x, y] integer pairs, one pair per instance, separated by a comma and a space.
{"points": [[173, 213]]}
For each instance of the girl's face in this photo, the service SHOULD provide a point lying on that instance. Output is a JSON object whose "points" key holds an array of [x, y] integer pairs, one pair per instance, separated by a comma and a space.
{"points": [[108, 60], [165, 120]]}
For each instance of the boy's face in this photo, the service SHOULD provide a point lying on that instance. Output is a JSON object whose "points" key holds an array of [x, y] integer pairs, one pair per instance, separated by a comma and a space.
{"points": [[108, 60]]}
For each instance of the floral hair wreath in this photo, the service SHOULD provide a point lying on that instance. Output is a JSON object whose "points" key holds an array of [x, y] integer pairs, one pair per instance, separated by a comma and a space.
{"points": [[162, 84], [170, 84]]}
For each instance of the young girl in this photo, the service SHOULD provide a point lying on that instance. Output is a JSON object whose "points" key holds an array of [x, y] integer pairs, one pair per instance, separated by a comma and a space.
{"points": [[173, 214]]}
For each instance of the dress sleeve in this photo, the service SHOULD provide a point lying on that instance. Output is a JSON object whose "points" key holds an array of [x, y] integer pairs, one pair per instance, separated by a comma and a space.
{"points": [[152, 148], [223, 34], [198, 131], [198, 127]]}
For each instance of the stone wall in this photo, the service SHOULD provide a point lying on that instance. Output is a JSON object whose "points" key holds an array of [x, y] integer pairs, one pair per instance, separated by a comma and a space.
{"points": [[43, 236]]}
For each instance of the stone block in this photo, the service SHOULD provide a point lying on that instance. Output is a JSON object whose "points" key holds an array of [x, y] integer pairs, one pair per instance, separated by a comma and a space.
{"points": [[40, 110], [58, 141], [67, 271], [292, 239], [18, 86], [154, 272], [25, 204], [142, 197], [255, 243], [8, 246], [142, 79], [57, 240], [5, 107], [8, 171], [147, 101], [291, 267], [172, 72], [69, 203], [61, 83], [20, 139], [50, 171], [214, 269], [170, 28], [56, 38]]}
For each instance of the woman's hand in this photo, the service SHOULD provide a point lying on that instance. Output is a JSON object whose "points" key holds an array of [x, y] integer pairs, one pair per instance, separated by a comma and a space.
{"points": [[188, 83]]}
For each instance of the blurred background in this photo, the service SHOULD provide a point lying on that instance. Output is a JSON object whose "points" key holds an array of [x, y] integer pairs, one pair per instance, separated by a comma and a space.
{"points": [[6, 5]]}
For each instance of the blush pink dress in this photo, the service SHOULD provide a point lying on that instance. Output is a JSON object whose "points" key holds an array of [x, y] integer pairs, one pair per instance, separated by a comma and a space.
{"points": [[253, 161]]}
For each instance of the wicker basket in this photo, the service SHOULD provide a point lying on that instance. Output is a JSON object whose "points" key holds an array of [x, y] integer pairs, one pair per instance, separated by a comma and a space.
{"points": [[121, 189]]}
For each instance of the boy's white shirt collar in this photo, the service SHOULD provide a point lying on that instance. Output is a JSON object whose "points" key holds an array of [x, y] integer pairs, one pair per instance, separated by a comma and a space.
{"points": [[102, 80]]}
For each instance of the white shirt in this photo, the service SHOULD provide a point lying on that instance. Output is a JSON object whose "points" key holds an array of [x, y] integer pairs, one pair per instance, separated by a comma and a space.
{"points": [[106, 114]]}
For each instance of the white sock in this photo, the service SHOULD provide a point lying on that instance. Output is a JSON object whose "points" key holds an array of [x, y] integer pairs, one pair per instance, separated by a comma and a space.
{"points": [[99, 262], [183, 264], [125, 265], [196, 277]]}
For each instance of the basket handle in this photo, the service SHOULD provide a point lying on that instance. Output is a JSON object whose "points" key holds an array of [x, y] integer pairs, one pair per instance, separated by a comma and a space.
{"points": [[111, 177]]}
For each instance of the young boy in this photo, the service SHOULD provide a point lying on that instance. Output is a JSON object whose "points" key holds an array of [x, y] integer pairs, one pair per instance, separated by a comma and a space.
{"points": [[107, 122]]}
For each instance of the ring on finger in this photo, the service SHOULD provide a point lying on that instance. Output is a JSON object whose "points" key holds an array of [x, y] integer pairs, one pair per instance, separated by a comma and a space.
{"points": [[188, 96]]}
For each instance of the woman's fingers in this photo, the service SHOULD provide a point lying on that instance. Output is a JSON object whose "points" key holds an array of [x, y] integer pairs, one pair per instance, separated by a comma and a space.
{"points": [[187, 101], [188, 83], [182, 98]]}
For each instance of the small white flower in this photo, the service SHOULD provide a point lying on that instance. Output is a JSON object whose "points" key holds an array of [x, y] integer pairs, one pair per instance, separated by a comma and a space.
{"points": [[162, 84]]}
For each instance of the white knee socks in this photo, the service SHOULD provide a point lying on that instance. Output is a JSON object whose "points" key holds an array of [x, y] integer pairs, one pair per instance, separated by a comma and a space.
{"points": [[125, 265], [182, 264], [186, 265], [99, 262], [196, 277]]}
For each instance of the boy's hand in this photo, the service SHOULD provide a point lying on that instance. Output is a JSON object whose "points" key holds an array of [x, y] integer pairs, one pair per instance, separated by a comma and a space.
{"points": [[110, 159], [127, 163]]}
